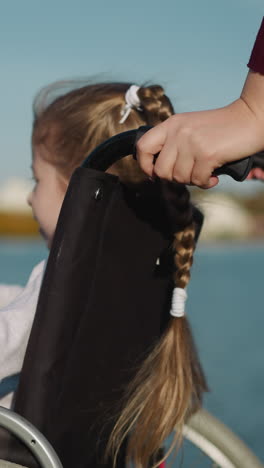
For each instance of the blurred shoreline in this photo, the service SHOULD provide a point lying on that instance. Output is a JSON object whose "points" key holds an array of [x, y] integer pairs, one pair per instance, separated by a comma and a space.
{"points": [[228, 216], [17, 224]]}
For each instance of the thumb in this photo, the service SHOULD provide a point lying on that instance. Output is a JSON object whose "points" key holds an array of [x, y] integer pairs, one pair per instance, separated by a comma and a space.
{"points": [[213, 181]]}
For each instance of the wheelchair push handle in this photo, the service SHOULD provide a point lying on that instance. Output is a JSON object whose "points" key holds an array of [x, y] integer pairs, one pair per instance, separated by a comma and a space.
{"points": [[123, 144]]}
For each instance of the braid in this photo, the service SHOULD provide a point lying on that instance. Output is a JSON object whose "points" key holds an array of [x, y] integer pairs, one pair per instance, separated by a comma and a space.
{"points": [[155, 104], [183, 245], [179, 207]]}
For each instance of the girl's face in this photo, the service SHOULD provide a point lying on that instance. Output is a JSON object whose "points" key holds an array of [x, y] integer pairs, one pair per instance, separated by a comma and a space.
{"points": [[47, 196]]}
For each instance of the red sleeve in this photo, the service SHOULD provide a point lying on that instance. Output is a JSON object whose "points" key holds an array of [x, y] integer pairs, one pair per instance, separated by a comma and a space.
{"points": [[256, 61]]}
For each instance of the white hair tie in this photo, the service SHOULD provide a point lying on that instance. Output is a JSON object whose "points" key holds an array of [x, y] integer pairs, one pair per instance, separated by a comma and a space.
{"points": [[179, 297], [132, 102]]}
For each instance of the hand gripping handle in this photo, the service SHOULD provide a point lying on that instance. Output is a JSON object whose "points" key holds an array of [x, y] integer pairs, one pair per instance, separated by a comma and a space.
{"points": [[123, 144]]}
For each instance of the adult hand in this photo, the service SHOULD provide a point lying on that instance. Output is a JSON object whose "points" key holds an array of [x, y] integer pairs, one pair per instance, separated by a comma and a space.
{"points": [[192, 145]]}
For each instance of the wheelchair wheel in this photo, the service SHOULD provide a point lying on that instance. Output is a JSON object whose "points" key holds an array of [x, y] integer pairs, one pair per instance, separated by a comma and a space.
{"points": [[212, 444], [31, 437]]}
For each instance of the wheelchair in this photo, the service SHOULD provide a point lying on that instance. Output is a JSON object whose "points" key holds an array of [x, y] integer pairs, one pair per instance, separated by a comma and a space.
{"points": [[215, 443], [99, 194]]}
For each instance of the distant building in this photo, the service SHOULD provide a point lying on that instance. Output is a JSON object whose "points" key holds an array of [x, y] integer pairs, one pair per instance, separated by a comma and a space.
{"points": [[13, 195], [224, 217]]}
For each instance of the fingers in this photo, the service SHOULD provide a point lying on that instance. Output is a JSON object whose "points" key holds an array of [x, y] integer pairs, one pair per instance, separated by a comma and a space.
{"points": [[202, 174], [181, 157], [166, 161], [259, 173], [173, 163], [148, 145], [256, 173], [250, 175], [160, 140], [213, 181]]}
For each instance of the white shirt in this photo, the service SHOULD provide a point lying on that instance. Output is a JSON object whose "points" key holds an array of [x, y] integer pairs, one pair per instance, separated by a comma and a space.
{"points": [[17, 311]]}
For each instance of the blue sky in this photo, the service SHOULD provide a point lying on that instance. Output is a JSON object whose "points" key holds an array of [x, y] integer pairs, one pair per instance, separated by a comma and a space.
{"points": [[197, 50]]}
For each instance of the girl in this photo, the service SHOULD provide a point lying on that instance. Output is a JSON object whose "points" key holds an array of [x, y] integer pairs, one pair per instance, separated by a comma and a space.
{"points": [[65, 130]]}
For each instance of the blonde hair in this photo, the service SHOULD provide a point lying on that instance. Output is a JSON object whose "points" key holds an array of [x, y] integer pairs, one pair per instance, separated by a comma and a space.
{"points": [[169, 385]]}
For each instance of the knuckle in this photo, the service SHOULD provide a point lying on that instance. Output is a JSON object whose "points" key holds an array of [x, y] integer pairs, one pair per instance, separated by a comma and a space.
{"points": [[181, 179], [163, 173], [197, 181], [186, 132], [142, 145]]}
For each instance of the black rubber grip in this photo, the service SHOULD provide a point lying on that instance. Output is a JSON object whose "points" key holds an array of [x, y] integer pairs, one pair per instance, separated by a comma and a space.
{"points": [[123, 144], [238, 170], [258, 160]]}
